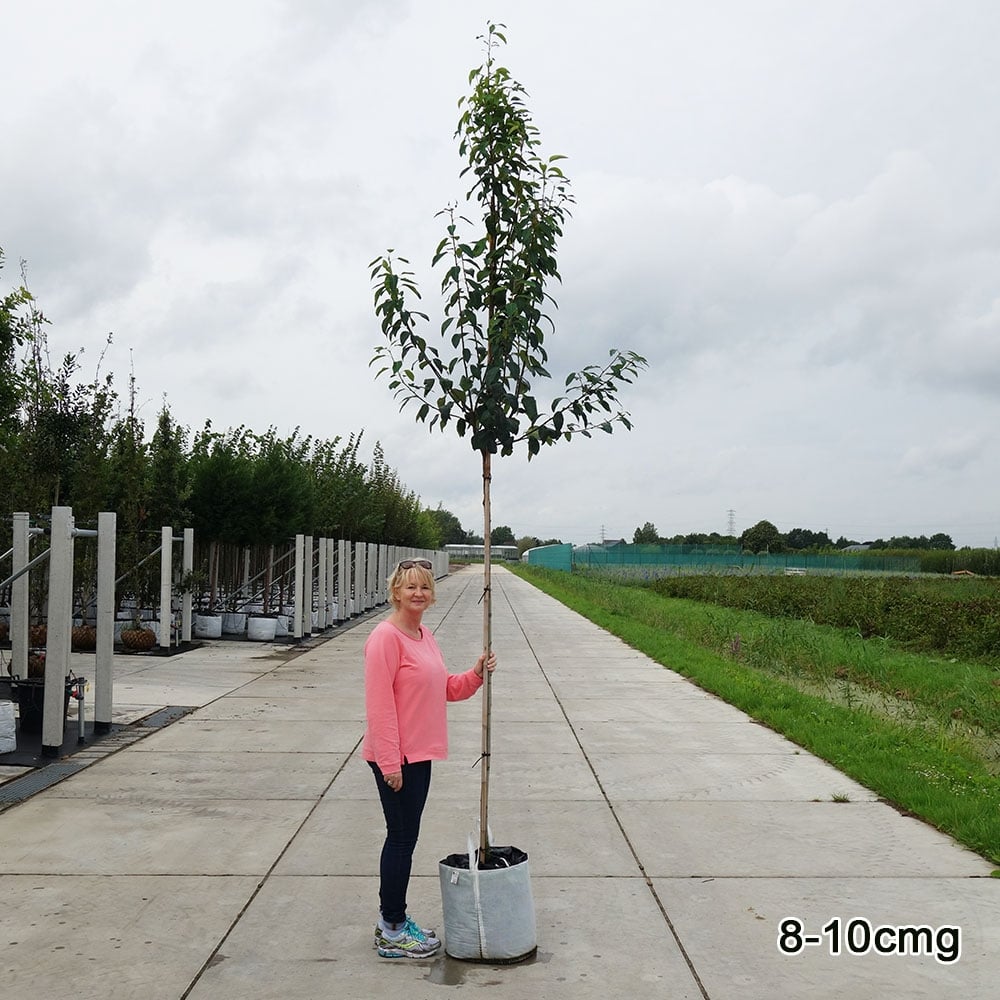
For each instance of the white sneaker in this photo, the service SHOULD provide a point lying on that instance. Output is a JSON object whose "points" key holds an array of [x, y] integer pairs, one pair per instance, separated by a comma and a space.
{"points": [[410, 941]]}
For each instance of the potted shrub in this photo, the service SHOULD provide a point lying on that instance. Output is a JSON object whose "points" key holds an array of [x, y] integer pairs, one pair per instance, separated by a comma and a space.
{"points": [[84, 638], [138, 637]]}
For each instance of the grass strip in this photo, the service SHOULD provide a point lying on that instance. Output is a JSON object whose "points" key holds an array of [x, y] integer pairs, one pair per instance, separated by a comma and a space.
{"points": [[929, 775]]}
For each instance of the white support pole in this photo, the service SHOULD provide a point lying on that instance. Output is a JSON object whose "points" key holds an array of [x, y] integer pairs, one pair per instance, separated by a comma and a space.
{"points": [[310, 582], [19, 624], [166, 572], [383, 574], [187, 565], [331, 583], [334, 566], [321, 591], [300, 545], [358, 581], [361, 587], [371, 565], [394, 558], [343, 580], [59, 633], [104, 657]]}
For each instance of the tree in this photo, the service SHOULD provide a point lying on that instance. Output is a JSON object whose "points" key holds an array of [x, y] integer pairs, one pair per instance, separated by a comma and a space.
{"points": [[762, 537], [168, 473], [223, 502], [527, 542], [803, 538], [450, 530], [15, 331], [129, 490], [502, 535], [282, 486], [646, 535], [494, 285], [341, 489]]}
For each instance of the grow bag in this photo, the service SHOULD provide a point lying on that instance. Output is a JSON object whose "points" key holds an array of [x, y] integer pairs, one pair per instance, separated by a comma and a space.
{"points": [[208, 626], [234, 622], [489, 915], [262, 628]]}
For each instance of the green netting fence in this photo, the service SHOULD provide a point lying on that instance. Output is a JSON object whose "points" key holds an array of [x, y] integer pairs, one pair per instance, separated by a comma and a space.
{"points": [[660, 560]]}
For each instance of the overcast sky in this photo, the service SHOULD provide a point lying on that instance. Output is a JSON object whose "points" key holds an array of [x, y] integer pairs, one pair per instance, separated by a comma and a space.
{"points": [[790, 207]]}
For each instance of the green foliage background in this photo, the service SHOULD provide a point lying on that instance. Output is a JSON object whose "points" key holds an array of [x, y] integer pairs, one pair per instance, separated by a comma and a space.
{"points": [[71, 440]]}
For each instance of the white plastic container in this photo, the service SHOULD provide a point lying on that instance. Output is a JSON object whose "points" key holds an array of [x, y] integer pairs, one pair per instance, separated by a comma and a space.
{"points": [[207, 626], [262, 629]]}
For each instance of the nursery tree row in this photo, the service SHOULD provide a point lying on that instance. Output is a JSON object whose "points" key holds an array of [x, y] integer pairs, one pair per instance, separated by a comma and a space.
{"points": [[67, 439]]}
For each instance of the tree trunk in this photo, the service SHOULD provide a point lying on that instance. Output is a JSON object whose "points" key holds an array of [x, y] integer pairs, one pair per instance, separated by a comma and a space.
{"points": [[484, 798]]}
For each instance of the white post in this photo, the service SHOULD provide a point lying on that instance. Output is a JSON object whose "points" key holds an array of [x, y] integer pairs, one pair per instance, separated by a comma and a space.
{"points": [[321, 593], [331, 582], [308, 580], [361, 586], [367, 594], [372, 572], [300, 543], [359, 577], [59, 635], [343, 580], [104, 657], [383, 573], [19, 624], [187, 565], [166, 571]]}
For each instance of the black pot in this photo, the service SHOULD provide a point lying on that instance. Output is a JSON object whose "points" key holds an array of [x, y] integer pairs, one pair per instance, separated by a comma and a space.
{"points": [[29, 693]]}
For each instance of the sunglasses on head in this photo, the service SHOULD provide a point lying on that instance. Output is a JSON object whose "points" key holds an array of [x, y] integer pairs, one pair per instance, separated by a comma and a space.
{"points": [[410, 563]]}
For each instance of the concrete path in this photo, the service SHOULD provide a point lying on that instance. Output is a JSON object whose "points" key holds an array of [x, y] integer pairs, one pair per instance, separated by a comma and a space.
{"points": [[233, 854]]}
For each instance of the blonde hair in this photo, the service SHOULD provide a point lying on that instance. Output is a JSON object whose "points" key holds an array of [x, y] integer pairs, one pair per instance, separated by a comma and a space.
{"points": [[400, 577]]}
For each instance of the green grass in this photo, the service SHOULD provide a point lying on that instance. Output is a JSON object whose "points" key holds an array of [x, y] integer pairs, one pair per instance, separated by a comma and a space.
{"points": [[917, 756]]}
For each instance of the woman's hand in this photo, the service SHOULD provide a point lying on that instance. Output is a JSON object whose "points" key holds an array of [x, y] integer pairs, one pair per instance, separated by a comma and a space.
{"points": [[394, 780], [489, 662]]}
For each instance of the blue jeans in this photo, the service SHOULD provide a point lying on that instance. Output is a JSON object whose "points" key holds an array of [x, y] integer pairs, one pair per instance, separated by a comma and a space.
{"points": [[402, 810]]}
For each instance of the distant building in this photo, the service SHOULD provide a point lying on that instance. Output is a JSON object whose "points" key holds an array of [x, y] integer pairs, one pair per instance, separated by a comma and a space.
{"points": [[477, 552]]}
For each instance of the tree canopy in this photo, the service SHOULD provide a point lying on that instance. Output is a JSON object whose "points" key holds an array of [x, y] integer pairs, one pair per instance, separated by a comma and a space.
{"points": [[480, 375]]}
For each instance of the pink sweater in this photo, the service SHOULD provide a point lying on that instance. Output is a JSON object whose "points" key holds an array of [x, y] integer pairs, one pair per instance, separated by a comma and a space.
{"points": [[407, 687]]}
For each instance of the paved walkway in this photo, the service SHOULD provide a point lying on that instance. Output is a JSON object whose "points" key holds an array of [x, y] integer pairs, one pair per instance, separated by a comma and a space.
{"points": [[233, 854]]}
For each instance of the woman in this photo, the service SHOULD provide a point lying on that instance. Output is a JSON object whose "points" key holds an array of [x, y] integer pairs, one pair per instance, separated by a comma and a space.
{"points": [[407, 687]]}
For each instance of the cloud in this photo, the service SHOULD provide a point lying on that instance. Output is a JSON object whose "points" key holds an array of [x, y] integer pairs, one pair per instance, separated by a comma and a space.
{"points": [[790, 210], [951, 455]]}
